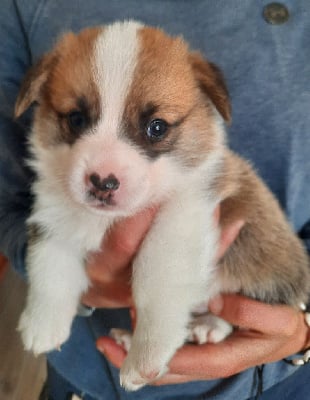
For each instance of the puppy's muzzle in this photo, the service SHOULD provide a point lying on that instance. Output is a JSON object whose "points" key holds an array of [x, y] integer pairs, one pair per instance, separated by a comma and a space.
{"points": [[103, 189]]}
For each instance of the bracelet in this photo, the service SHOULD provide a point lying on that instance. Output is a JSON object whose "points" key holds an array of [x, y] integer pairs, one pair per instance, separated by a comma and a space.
{"points": [[305, 357]]}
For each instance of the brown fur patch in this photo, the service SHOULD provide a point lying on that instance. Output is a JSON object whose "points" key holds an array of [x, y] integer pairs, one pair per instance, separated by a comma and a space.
{"points": [[70, 86], [212, 83], [63, 82], [33, 81], [164, 78], [267, 261]]}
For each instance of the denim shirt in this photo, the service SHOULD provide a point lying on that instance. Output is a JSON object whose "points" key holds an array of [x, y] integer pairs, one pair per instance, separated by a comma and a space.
{"points": [[267, 68]]}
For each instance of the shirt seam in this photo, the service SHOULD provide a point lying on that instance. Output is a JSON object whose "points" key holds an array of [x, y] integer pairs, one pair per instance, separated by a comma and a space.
{"points": [[33, 25]]}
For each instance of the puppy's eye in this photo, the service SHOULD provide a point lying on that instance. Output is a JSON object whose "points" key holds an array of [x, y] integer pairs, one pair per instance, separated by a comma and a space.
{"points": [[156, 130], [77, 120]]}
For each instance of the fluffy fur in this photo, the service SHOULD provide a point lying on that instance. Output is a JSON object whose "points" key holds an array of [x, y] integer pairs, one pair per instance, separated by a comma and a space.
{"points": [[98, 93]]}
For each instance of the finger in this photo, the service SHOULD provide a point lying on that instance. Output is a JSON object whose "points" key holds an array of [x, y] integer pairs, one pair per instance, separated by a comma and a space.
{"points": [[240, 351], [108, 297], [196, 361], [251, 314], [127, 235], [122, 242], [115, 353], [228, 235], [172, 379]]}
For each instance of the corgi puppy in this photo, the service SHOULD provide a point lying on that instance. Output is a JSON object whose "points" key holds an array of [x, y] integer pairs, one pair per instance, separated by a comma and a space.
{"points": [[128, 117]]}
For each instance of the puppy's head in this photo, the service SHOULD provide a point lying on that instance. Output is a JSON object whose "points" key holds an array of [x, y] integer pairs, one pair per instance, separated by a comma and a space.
{"points": [[124, 113]]}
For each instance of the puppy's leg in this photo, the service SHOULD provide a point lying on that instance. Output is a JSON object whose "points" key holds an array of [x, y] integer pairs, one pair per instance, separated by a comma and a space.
{"points": [[171, 275], [56, 282]]}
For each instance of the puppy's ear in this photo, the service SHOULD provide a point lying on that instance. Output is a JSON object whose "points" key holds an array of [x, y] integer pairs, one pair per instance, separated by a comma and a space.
{"points": [[211, 82], [32, 84]]}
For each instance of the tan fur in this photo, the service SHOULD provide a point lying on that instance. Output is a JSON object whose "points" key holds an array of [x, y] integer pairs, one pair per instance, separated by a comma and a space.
{"points": [[211, 81], [35, 78], [267, 261], [163, 75]]}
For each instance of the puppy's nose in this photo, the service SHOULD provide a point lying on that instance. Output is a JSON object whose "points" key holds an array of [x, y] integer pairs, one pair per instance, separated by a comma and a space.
{"points": [[110, 183]]}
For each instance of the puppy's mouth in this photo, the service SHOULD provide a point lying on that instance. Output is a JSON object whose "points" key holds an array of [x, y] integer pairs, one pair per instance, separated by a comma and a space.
{"points": [[100, 192], [100, 199]]}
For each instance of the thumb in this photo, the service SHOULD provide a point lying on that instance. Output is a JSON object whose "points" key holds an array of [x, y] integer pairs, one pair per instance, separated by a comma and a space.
{"points": [[228, 235], [122, 242], [108, 347]]}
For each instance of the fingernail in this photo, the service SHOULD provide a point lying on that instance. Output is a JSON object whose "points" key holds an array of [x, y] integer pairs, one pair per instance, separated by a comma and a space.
{"points": [[216, 304], [100, 347]]}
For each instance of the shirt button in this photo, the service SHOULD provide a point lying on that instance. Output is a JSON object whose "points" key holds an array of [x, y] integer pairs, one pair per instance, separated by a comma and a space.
{"points": [[276, 13]]}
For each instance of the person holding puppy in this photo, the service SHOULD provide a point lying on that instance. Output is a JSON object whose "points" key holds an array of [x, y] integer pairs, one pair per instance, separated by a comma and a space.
{"points": [[259, 132]]}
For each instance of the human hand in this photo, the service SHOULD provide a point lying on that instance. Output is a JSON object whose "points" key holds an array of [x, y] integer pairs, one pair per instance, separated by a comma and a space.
{"points": [[228, 235], [109, 270], [266, 333]]}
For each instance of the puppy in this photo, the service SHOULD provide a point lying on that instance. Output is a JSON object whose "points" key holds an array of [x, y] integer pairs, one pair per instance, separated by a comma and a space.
{"points": [[128, 118]]}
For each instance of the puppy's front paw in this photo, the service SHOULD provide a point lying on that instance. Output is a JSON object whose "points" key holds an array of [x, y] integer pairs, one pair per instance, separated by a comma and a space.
{"points": [[140, 369], [134, 374], [144, 363], [208, 328], [43, 330]]}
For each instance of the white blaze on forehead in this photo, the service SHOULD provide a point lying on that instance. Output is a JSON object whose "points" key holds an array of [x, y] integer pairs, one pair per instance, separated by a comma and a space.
{"points": [[116, 52]]}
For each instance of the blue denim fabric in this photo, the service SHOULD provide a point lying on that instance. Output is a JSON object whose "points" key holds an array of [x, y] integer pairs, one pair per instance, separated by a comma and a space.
{"points": [[58, 388], [85, 368], [267, 69], [294, 387]]}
